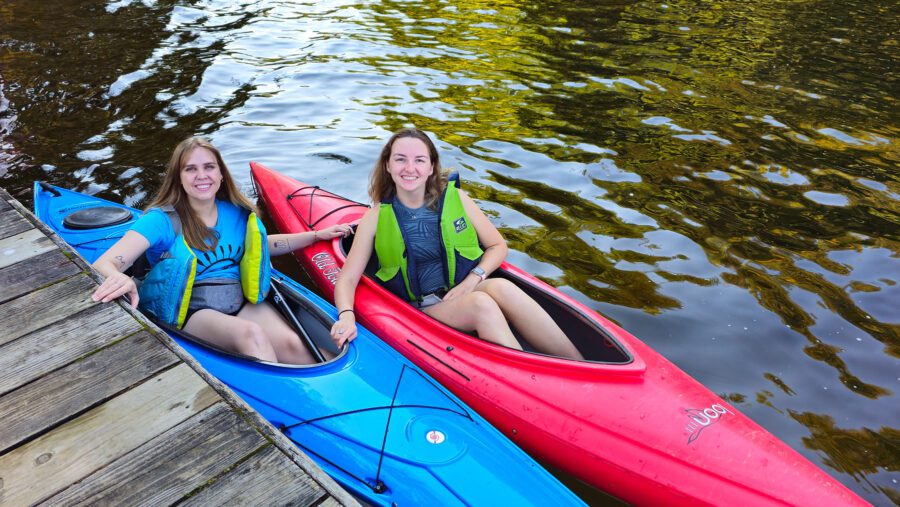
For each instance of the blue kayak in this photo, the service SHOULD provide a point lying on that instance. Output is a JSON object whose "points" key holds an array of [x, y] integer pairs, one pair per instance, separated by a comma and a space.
{"points": [[371, 419]]}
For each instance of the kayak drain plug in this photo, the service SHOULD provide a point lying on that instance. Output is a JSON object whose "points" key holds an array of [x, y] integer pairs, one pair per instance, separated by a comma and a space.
{"points": [[379, 487], [449, 348]]}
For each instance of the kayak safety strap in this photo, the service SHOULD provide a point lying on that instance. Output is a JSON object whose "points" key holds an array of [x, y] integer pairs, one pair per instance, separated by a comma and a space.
{"points": [[462, 412], [387, 426], [371, 409], [378, 486], [308, 220]]}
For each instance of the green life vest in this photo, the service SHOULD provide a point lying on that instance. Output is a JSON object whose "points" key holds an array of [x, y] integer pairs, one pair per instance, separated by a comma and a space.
{"points": [[166, 291], [458, 238]]}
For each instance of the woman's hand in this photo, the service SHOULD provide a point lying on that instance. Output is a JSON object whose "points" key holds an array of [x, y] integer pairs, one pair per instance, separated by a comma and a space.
{"points": [[466, 286], [117, 285], [344, 329], [335, 231]]}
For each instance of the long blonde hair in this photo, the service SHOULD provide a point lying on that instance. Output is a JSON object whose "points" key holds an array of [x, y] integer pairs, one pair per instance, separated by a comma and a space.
{"points": [[172, 193], [382, 187]]}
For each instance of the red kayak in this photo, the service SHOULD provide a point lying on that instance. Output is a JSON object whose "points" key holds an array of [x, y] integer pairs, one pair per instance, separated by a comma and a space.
{"points": [[626, 420]]}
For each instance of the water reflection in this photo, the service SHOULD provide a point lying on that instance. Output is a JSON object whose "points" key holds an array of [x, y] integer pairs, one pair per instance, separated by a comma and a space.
{"points": [[718, 177]]}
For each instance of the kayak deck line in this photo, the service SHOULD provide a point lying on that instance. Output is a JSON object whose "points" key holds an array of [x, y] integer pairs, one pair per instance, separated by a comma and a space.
{"points": [[92, 393], [436, 358]]}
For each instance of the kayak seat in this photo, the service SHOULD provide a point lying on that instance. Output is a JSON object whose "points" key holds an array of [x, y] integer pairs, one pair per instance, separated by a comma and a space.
{"points": [[95, 218]]}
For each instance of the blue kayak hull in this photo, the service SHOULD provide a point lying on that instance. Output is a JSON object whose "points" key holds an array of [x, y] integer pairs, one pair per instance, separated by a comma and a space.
{"points": [[371, 419]]}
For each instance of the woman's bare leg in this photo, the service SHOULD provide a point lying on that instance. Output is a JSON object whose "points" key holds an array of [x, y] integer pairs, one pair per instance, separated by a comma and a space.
{"points": [[231, 333], [476, 311], [527, 316], [289, 347]]}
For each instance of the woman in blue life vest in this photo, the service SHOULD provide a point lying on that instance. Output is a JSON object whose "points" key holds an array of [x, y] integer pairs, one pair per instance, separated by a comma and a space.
{"points": [[452, 247], [201, 224]]}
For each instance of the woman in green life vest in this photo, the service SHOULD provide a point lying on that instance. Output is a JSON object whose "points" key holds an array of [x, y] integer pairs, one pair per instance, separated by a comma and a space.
{"points": [[209, 259], [435, 248]]}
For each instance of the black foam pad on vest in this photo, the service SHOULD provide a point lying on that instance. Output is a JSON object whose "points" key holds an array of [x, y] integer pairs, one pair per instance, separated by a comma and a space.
{"points": [[94, 218]]}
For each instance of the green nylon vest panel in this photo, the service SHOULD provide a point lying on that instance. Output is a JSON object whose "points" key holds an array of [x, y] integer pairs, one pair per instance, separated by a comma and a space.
{"points": [[457, 234]]}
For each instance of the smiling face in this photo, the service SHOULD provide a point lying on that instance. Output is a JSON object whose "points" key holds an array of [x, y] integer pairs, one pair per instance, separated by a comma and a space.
{"points": [[200, 175], [409, 165]]}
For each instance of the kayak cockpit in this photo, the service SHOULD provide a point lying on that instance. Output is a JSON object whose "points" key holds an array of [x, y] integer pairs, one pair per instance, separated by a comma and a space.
{"points": [[311, 321], [594, 342]]}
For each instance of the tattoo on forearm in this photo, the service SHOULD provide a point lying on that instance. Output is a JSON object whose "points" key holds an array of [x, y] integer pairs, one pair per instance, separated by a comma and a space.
{"points": [[121, 261], [283, 243]]}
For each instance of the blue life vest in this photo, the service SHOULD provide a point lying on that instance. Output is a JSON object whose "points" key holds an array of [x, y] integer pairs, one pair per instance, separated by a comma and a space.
{"points": [[166, 290]]}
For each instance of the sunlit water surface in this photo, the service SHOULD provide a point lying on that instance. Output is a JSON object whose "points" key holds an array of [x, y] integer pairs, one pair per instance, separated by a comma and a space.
{"points": [[718, 177]]}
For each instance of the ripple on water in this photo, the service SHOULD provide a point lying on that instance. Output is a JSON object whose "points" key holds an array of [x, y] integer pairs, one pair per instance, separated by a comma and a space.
{"points": [[827, 198], [606, 170], [701, 186]]}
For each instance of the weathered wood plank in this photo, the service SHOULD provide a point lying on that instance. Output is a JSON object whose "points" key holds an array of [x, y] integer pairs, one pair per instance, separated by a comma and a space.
{"points": [[23, 246], [78, 448], [170, 466], [12, 223], [46, 306], [53, 347], [3, 198], [24, 277], [65, 393], [268, 478]]}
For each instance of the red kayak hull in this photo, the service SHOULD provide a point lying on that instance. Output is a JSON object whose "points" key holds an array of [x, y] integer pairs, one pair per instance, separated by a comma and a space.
{"points": [[640, 429]]}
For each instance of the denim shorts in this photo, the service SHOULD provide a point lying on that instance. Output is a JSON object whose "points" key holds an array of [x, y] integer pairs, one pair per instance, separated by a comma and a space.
{"points": [[222, 295], [430, 300]]}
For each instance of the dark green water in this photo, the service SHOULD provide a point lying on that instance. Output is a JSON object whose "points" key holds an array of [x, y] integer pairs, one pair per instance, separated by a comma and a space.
{"points": [[718, 177]]}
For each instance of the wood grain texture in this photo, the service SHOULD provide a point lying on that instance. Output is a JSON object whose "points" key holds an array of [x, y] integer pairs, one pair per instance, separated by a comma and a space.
{"points": [[55, 346], [67, 392], [24, 277], [23, 246], [268, 478], [45, 306], [170, 466], [78, 448], [12, 223], [74, 413]]}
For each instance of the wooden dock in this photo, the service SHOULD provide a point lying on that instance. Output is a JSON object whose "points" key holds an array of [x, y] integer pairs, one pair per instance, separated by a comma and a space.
{"points": [[99, 406]]}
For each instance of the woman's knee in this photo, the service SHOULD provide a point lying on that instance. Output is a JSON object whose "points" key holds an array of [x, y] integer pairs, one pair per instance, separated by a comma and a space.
{"points": [[252, 339], [482, 303], [502, 290]]}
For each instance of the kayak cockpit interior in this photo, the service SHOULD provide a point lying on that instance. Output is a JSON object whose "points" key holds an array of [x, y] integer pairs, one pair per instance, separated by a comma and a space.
{"points": [[312, 324], [594, 342]]}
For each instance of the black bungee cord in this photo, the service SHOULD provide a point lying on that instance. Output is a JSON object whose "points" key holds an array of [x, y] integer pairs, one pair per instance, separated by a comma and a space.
{"points": [[379, 486]]}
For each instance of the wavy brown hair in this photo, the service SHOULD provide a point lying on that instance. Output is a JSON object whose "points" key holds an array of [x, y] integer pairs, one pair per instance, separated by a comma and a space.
{"points": [[382, 187], [172, 193]]}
